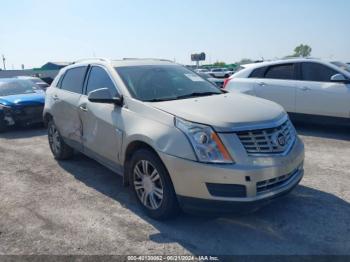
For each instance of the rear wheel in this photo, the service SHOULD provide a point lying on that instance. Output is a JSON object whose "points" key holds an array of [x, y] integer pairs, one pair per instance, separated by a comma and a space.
{"points": [[152, 185], [59, 148]]}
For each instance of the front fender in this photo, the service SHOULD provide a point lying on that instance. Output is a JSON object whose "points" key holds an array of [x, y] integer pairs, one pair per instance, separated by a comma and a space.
{"points": [[161, 135]]}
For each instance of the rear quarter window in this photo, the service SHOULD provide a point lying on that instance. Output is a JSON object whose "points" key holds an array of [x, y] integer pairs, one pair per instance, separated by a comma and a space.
{"points": [[59, 82], [258, 73]]}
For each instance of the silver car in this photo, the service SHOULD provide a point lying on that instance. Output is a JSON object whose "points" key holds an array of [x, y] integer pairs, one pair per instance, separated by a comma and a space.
{"points": [[177, 139]]}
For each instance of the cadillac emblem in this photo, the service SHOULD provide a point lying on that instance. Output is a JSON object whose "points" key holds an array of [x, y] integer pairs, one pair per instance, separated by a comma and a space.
{"points": [[281, 140]]}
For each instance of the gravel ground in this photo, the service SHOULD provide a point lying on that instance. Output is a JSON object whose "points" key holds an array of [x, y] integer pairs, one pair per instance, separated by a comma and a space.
{"points": [[80, 207]]}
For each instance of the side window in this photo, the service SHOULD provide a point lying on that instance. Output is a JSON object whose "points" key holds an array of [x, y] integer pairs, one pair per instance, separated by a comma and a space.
{"points": [[59, 83], [98, 78], [258, 73], [73, 79], [285, 71], [317, 72]]}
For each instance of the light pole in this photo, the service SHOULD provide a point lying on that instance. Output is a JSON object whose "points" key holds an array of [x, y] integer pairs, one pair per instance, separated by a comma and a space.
{"points": [[4, 61]]}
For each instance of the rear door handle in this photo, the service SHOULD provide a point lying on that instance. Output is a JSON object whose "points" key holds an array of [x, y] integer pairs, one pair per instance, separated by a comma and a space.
{"points": [[55, 97], [262, 84], [305, 88], [83, 108]]}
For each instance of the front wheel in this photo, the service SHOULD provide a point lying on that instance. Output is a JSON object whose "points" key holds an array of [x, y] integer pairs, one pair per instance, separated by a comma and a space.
{"points": [[152, 185], [2, 127], [59, 148]]}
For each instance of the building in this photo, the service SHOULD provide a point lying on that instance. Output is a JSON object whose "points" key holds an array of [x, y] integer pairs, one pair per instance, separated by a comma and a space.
{"points": [[47, 72], [54, 65]]}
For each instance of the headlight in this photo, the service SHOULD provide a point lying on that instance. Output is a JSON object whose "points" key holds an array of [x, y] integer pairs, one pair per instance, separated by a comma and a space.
{"points": [[206, 143], [3, 107]]}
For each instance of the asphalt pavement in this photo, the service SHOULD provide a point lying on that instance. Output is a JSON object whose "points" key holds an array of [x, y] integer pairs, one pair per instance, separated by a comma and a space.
{"points": [[80, 207]]}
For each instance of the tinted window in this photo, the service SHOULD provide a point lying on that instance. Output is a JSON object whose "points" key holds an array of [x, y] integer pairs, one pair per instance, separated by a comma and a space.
{"points": [[258, 73], [285, 71], [317, 72], [98, 78], [59, 83], [74, 79], [166, 82]]}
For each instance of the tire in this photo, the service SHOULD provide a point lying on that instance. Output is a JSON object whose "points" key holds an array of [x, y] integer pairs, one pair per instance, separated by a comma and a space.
{"points": [[152, 187], [59, 148], [2, 127], [2, 122]]}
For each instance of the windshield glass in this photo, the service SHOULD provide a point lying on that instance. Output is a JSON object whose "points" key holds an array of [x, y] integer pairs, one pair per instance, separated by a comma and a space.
{"points": [[165, 82], [10, 87], [343, 66]]}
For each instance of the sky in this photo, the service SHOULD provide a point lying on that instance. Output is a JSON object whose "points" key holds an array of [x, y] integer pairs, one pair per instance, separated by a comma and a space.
{"points": [[33, 32]]}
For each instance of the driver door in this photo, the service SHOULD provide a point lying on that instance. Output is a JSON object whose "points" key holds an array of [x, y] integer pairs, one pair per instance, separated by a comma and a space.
{"points": [[318, 95], [102, 123]]}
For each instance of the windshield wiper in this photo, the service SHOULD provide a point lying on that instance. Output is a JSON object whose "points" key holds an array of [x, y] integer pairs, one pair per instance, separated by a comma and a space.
{"points": [[160, 99], [197, 94], [194, 94]]}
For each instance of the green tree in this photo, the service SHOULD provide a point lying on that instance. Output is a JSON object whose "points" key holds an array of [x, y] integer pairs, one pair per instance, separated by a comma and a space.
{"points": [[302, 51], [219, 64]]}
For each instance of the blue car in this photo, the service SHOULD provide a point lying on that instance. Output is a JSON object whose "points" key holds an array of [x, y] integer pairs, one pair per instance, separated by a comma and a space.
{"points": [[21, 103]]}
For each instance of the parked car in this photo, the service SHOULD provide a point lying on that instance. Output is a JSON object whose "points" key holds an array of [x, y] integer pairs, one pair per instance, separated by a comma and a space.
{"points": [[35, 80], [219, 82], [154, 123], [202, 71], [20, 103], [220, 72], [312, 88]]}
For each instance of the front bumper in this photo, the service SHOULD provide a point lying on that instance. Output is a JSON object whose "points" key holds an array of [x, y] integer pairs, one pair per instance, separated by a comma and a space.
{"points": [[22, 115], [262, 178]]}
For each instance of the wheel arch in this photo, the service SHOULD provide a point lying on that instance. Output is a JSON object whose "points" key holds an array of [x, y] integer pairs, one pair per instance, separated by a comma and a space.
{"points": [[47, 117], [131, 148]]}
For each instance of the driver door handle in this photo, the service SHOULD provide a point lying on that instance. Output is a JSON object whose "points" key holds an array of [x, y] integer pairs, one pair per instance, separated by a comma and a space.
{"points": [[55, 97], [305, 88], [262, 84], [83, 108]]}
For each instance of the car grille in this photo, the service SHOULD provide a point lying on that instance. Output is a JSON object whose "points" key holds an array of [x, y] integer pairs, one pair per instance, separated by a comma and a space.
{"points": [[33, 110], [270, 184], [276, 140]]}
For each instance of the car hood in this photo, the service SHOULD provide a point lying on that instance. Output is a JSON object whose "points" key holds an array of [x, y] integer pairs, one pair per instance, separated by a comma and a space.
{"points": [[225, 113], [23, 99]]}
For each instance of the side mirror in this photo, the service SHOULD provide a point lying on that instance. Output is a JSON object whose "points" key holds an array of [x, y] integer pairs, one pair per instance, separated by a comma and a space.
{"points": [[340, 78], [103, 95]]}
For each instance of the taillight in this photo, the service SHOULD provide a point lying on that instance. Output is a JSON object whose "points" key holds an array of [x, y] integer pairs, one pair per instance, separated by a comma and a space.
{"points": [[226, 81]]}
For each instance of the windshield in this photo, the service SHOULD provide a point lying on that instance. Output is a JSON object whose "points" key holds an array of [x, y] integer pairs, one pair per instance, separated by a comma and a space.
{"points": [[165, 82], [10, 87], [343, 66]]}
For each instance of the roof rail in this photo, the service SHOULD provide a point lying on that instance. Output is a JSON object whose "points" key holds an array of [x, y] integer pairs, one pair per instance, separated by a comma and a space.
{"points": [[156, 59], [299, 57], [92, 58]]}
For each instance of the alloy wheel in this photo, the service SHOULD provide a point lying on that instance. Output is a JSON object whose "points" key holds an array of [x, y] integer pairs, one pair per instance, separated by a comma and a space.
{"points": [[148, 184], [54, 139]]}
